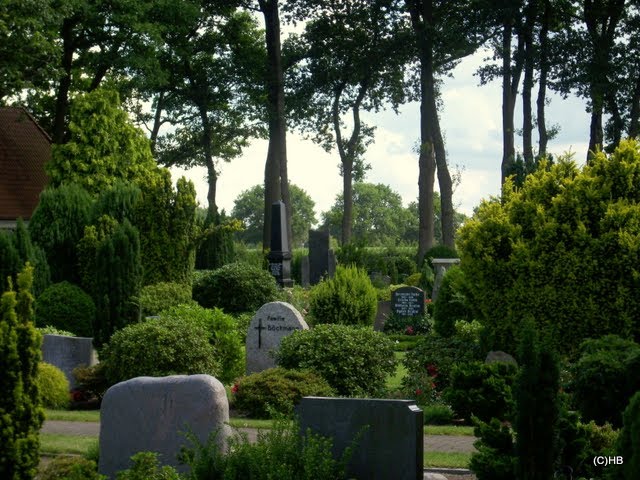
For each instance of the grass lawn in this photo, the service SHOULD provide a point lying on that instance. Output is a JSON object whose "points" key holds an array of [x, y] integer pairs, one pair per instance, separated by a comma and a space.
{"points": [[72, 415], [447, 459], [394, 381], [448, 430], [54, 444]]}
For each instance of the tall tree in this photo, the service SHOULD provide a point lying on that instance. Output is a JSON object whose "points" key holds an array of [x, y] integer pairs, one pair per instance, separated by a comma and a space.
{"points": [[444, 33], [355, 58]]}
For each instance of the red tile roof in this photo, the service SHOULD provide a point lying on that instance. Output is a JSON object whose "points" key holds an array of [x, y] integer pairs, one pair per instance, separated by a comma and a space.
{"points": [[24, 149]]}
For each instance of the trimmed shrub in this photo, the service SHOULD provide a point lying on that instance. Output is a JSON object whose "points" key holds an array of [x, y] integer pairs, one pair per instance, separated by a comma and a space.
{"points": [[481, 389], [53, 386], [495, 458], [348, 298], [252, 287], [161, 296], [605, 377], [157, 348], [49, 330], [354, 361], [21, 414], [628, 445], [222, 334], [451, 304], [70, 468], [277, 390], [438, 414], [147, 467], [67, 307]]}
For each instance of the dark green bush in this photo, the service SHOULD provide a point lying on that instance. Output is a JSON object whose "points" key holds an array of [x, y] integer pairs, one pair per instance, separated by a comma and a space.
{"points": [[235, 288], [628, 445], [451, 304], [67, 307], [157, 348], [495, 458], [53, 386], [353, 360], [605, 377], [277, 390], [222, 334], [396, 262], [416, 325], [481, 389], [161, 296], [348, 298], [70, 468], [437, 414], [92, 381], [147, 467]]}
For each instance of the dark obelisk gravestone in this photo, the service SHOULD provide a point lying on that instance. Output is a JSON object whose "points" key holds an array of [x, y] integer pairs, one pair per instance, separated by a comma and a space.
{"points": [[280, 255], [319, 265]]}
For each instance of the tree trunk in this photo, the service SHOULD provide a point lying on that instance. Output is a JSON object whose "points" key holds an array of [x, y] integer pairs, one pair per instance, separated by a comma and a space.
{"points": [[617, 124], [62, 95], [212, 176], [157, 121], [527, 84], [634, 116], [276, 182], [543, 136]]}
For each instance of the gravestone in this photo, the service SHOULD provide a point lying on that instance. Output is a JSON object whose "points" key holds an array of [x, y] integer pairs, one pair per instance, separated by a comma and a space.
{"points": [[268, 327], [304, 271], [151, 414], [391, 442], [322, 261], [279, 254], [407, 302], [495, 356], [68, 353], [440, 266], [379, 280], [384, 309]]}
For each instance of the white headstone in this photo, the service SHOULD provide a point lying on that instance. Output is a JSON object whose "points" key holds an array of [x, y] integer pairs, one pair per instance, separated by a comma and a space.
{"points": [[268, 327]]}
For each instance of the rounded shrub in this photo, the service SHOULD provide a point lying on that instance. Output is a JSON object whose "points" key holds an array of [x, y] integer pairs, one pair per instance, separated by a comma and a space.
{"points": [[451, 304], [70, 468], [157, 348], [438, 414], [161, 296], [235, 288], [277, 390], [53, 386], [355, 361], [222, 333], [66, 307], [348, 298]]}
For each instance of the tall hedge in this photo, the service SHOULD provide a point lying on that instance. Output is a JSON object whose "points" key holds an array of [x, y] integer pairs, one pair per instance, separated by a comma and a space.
{"points": [[16, 249], [564, 248], [21, 414]]}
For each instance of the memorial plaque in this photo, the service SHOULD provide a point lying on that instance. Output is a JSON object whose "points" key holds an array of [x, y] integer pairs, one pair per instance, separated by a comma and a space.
{"points": [[407, 301]]}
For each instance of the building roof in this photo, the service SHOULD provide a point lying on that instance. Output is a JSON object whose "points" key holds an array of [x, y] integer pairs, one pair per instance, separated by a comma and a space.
{"points": [[24, 149]]}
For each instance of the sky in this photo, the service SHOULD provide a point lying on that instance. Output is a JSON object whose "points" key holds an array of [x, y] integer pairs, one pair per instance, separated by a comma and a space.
{"points": [[471, 124]]}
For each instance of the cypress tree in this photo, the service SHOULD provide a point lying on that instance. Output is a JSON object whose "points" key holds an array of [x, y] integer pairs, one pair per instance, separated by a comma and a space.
{"points": [[629, 441], [21, 414], [9, 259], [537, 407]]}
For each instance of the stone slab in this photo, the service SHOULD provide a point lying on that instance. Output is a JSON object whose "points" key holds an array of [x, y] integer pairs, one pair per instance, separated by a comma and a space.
{"points": [[390, 446], [407, 301], [271, 323], [68, 353], [151, 414], [384, 309]]}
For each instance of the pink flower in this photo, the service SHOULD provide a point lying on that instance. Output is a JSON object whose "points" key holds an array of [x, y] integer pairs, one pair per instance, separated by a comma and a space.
{"points": [[427, 300], [409, 330]]}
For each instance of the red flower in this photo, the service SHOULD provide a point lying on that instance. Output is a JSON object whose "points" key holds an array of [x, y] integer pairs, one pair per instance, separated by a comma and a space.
{"points": [[409, 330], [418, 391], [427, 300], [234, 389], [432, 370]]}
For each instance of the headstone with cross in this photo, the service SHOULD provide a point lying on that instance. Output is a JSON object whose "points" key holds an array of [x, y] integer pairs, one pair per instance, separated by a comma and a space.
{"points": [[268, 327]]}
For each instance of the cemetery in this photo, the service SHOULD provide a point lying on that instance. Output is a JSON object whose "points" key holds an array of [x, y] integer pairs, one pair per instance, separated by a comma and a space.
{"points": [[148, 335]]}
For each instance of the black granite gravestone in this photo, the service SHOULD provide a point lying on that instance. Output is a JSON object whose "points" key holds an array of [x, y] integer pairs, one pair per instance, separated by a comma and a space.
{"points": [[407, 302], [279, 254], [318, 255]]}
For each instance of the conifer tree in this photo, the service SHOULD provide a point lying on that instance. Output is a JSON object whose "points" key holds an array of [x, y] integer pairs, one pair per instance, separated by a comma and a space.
{"points": [[21, 413]]}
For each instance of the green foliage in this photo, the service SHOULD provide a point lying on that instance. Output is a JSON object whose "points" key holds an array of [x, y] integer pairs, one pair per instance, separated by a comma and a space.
{"points": [[451, 304], [9, 259], [104, 146], [353, 360], [416, 325], [222, 332], [248, 207], [347, 298], [396, 262], [147, 467], [495, 458], [605, 377], [161, 296], [70, 468], [57, 224], [21, 413], [277, 390], [537, 407], [92, 380], [178, 347], [117, 281], [53, 386], [628, 445], [440, 251], [49, 330], [564, 248], [435, 354], [482, 390], [437, 414], [217, 248], [66, 307], [235, 287], [280, 452]]}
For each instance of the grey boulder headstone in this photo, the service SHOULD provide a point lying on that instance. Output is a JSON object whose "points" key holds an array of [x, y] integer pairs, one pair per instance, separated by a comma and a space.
{"points": [[271, 323], [304, 271], [389, 434], [68, 353], [495, 356], [407, 301], [151, 414], [384, 309]]}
